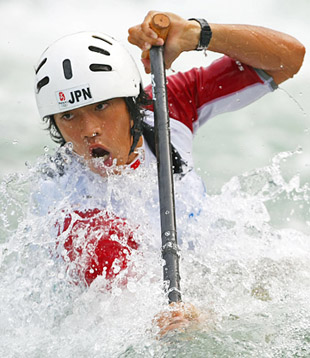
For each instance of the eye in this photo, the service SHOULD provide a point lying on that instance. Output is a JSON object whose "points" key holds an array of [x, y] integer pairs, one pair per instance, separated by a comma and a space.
{"points": [[67, 116], [101, 106]]}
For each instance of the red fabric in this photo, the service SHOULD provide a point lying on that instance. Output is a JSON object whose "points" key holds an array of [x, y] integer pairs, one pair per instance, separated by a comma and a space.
{"points": [[98, 243], [188, 91], [135, 164]]}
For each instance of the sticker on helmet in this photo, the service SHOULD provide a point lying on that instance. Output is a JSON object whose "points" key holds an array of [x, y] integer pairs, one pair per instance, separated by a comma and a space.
{"points": [[72, 97]]}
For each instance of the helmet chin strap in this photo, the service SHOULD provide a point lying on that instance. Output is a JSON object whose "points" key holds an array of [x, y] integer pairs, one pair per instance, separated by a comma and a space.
{"points": [[135, 106], [136, 132]]}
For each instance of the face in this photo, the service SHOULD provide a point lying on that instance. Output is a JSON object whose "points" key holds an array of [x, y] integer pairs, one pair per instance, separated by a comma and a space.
{"points": [[100, 130]]}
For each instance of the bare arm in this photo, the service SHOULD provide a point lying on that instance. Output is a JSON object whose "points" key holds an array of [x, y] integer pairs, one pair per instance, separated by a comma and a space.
{"points": [[279, 54]]}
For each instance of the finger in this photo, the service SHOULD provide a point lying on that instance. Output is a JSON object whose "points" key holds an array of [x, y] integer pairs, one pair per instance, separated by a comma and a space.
{"points": [[136, 36], [175, 325], [151, 36], [147, 65], [148, 31], [179, 314], [169, 58], [139, 38], [145, 26]]}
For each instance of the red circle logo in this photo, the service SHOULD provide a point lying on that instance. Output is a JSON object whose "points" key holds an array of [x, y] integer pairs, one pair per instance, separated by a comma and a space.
{"points": [[62, 96]]}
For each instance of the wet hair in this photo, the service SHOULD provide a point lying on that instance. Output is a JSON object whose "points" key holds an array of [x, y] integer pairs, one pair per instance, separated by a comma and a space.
{"points": [[53, 130], [135, 107]]}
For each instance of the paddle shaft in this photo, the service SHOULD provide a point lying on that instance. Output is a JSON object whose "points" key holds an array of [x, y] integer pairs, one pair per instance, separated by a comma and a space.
{"points": [[164, 165]]}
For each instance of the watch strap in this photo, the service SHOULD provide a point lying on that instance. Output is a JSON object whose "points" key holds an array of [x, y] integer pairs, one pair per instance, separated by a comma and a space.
{"points": [[205, 34]]}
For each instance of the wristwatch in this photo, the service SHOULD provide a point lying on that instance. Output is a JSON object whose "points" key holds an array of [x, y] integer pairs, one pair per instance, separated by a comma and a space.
{"points": [[205, 34]]}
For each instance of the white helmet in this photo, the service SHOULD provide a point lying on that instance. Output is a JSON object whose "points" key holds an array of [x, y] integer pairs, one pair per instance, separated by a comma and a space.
{"points": [[84, 68]]}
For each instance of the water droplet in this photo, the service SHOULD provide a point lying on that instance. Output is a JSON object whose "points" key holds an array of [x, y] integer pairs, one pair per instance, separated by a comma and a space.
{"points": [[69, 145], [167, 212], [239, 64], [131, 287], [293, 99], [220, 87], [117, 291], [46, 148], [27, 229]]}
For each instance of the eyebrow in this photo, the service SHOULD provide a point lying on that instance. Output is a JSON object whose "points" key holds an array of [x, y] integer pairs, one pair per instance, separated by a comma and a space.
{"points": [[92, 104]]}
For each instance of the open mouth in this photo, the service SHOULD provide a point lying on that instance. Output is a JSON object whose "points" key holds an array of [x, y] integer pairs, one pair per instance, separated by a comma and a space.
{"points": [[100, 153]]}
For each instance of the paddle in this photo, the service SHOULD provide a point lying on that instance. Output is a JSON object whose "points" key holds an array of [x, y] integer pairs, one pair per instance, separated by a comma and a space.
{"points": [[160, 24]]}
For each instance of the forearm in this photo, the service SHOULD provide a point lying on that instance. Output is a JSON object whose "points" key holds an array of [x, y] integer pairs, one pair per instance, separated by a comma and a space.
{"points": [[259, 47]]}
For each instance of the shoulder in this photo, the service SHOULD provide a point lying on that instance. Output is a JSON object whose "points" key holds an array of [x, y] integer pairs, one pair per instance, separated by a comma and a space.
{"points": [[188, 92]]}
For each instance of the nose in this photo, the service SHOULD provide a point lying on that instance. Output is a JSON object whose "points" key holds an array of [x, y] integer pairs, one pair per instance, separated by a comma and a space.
{"points": [[91, 126]]}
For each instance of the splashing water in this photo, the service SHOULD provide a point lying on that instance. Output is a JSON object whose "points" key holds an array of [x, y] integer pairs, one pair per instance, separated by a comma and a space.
{"points": [[249, 279]]}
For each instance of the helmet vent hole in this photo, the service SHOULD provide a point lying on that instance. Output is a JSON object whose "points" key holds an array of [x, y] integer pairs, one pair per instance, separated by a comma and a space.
{"points": [[42, 83], [96, 67], [102, 39], [66, 65], [40, 65], [99, 50]]}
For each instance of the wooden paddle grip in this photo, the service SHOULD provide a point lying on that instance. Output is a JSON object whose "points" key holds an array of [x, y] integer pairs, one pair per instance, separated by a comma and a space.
{"points": [[160, 24]]}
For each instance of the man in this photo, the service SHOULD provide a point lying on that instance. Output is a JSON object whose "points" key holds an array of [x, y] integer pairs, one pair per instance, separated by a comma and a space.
{"points": [[89, 91]]}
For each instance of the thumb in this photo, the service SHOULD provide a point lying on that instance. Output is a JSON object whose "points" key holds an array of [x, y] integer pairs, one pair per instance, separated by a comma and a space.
{"points": [[145, 59], [169, 58]]}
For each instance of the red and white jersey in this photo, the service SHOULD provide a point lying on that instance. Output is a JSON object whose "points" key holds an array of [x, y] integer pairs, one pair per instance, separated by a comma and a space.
{"points": [[203, 93]]}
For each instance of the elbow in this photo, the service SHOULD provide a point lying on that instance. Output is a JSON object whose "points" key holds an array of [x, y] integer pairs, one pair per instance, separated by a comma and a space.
{"points": [[300, 54], [289, 68], [298, 58]]}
